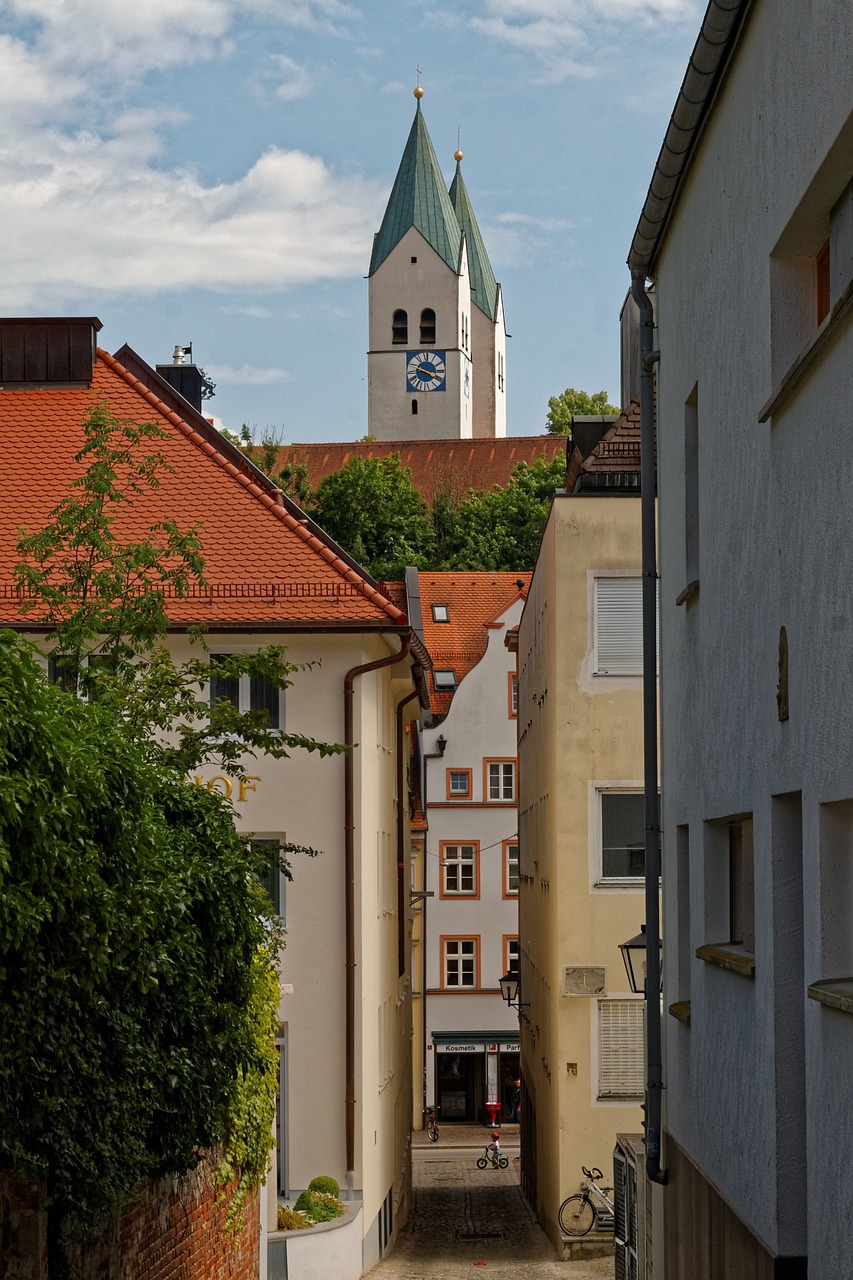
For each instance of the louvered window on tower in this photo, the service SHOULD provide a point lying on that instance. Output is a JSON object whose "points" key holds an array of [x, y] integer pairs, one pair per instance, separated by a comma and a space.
{"points": [[618, 627], [621, 1060], [427, 325], [400, 327]]}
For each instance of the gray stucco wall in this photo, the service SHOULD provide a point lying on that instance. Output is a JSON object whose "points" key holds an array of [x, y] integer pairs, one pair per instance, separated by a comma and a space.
{"points": [[758, 1085]]}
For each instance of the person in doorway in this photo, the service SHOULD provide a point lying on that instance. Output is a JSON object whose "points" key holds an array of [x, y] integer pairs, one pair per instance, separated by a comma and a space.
{"points": [[494, 1149], [516, 1103]]}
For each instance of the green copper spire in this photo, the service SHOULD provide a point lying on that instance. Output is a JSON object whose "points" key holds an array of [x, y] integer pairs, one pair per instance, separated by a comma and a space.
{"points": [[419, 199], [484, 287]]}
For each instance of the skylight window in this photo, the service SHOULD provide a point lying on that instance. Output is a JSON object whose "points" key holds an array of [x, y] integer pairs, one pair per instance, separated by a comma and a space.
{"points": [[444, 679], [440, 613]]}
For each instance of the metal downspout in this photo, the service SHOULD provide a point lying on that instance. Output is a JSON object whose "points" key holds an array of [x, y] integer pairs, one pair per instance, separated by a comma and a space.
{"points": [[648, 485], [349, 879]]}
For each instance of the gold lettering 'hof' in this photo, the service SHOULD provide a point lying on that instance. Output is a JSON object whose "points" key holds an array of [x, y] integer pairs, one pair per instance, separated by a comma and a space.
{"points": [[224, 786]]}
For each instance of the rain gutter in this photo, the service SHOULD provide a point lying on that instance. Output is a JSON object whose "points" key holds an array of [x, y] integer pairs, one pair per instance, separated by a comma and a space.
{"points": [[720, 33]]}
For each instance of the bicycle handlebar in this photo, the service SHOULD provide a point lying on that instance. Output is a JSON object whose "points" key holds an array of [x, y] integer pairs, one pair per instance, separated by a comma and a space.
{"points": [[595, 1174]]}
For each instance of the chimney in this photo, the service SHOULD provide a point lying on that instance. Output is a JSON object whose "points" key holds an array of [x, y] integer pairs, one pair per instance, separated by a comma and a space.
{"points": [[184, 378], [47, 352]]}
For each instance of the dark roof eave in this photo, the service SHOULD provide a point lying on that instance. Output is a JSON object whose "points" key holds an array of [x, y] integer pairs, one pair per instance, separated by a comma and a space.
{"points": [[722, 27]]}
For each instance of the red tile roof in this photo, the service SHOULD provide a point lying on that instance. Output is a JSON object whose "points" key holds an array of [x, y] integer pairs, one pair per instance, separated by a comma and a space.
{"points": [[265, 566], [437, 466], [473, 601]]}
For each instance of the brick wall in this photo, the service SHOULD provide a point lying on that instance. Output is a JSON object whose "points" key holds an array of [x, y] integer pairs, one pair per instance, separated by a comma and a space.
{"points": [[174, 1230]]}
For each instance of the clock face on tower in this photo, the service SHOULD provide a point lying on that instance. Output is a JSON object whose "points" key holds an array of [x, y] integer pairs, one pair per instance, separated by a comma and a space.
{"points": [[425, 370]]}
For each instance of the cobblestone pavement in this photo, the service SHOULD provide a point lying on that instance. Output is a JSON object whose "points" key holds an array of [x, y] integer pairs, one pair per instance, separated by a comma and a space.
{"points": [[471, 1224]]}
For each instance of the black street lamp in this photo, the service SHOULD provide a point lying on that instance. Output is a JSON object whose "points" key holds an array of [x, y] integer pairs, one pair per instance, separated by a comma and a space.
{"points": [[510, 985], [634, 955]]}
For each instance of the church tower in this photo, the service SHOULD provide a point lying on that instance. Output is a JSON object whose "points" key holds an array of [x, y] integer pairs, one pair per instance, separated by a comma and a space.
{"points": [[437, 339]]}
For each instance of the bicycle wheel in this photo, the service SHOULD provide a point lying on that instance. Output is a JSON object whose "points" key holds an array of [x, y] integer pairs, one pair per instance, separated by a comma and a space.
{"points": [[482, 1162], [503, 1162], [576, 1216], [432, 1130]]}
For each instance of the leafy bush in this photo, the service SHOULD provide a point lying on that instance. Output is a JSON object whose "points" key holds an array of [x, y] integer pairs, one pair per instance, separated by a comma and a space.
{"points": [[288, 1219], [319, 1206], [327, 1185]]}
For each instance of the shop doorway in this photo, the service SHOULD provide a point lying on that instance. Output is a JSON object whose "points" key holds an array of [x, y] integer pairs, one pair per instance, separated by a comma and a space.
{"points": [[460, 1086]]}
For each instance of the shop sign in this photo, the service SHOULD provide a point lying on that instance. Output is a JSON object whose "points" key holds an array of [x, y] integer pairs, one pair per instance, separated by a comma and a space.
{"points": [[509, 1048], [460, 1048]]}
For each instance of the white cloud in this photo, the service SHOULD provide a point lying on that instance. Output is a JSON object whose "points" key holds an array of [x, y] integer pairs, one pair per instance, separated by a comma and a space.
{"points": [[86, 205], [557, 33], [88, 216], [247, 375], [294, 80]]}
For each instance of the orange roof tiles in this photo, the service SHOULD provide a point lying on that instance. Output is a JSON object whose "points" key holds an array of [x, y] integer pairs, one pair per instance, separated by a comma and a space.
{"points": [[437, 466], [473, 601], [264, 566]]}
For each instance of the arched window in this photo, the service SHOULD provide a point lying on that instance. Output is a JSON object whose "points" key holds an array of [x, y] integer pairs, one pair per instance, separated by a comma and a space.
{"points": [[414, 406], [427, 325], [400, 327]]}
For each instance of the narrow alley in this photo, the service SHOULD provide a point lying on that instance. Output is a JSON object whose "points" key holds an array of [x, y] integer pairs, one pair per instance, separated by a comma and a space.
{"points": [[469, 1223]]}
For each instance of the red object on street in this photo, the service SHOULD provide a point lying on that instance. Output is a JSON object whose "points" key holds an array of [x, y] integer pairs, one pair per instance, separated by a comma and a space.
{"points": [[494, 1110]]}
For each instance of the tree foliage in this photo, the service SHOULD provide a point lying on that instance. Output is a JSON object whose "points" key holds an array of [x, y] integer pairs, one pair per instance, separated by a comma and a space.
{"points": [[373, 510], [501, 528], [133, 952], [561, 408]]}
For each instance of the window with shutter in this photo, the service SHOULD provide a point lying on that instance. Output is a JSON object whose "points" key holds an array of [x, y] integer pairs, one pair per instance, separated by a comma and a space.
{"points": [[618, 626], [621, 1061]]}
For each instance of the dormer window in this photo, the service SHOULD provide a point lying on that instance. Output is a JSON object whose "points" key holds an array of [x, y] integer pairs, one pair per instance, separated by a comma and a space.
{"points": [[400, 327], [427, 325]]}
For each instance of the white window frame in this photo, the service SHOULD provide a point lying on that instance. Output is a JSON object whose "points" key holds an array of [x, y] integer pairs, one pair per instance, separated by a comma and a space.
{"points": [[621, 1050], [617, 625], [509, 864], [458, 865], [244, 688], [598, 791], [456, 960], [461, 793], [502, 797]]}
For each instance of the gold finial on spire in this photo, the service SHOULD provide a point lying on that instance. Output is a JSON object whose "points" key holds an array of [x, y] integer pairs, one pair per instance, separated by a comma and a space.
{"points": [[458, 153], [419, 93]]}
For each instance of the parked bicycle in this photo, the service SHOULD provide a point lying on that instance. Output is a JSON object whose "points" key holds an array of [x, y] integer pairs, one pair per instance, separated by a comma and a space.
{"points": [[492, 1155], [579, 1213], [431, 1124]]}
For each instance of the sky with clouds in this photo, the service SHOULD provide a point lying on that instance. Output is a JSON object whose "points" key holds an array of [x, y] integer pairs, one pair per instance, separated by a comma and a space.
{"points": [[215, 173]]}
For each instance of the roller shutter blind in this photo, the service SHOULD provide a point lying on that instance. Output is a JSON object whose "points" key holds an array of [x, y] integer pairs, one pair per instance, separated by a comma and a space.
{"points": [[621, 1060], [619, 626]]}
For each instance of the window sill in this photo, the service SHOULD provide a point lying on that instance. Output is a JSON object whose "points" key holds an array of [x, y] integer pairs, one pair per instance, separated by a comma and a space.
{"points": [[835, 993], [691, 590], [626, 882], [728, 955], [828, 330], [681, 1011]]}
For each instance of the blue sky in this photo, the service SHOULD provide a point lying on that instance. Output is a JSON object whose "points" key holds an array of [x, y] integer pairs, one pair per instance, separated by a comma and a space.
{"points": [[214, 173]]}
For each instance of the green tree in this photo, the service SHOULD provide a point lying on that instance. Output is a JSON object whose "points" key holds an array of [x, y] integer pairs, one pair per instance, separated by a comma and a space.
{"points": [[291, 477], [561, 409], [137, 986], [374, 511], [502, 528]]}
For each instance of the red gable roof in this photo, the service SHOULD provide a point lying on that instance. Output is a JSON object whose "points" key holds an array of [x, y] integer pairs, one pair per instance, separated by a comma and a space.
{"points": [[437, 466], [266, 565], [473, 602]]}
